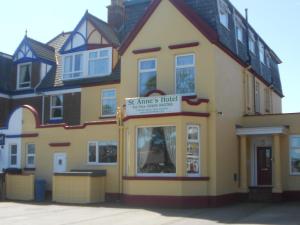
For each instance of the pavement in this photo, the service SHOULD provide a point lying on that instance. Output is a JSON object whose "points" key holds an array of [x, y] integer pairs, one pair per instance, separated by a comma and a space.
{"points": [[13, 213]]}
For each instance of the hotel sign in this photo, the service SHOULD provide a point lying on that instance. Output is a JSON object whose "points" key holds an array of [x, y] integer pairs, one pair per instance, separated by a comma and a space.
{"points": [[153, 105], [2, 139]]}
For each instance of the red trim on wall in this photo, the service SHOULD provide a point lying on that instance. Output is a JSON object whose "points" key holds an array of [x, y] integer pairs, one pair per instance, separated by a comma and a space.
{"points": [[167, 115], [29, 135], [146, 50], [180, 201], [166, 178], [132, 35], [60, 144], [184, 45], [160, 92]]}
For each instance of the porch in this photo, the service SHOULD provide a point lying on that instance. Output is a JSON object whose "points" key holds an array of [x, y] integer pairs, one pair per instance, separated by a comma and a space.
{"points": [[260, 162]]}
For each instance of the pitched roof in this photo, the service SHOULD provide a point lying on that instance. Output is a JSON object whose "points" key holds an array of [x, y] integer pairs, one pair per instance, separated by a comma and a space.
{"points": [[104, 29], [41, 50]]}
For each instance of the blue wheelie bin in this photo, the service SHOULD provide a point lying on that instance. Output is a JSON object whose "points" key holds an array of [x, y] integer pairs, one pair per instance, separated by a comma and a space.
{"points": [[40, 190]]}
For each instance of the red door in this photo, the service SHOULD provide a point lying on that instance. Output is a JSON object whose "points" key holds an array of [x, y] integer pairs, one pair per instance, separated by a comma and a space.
{"points": [[264, 166]]}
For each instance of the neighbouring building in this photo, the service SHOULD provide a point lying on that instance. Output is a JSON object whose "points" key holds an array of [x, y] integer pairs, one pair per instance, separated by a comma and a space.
{"points": [[179, 101]]}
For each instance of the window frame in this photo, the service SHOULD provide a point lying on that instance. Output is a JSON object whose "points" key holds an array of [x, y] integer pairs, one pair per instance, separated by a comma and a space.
{"points": [[109, 57], [18, 76], [16, 155], [223, 9], [191, 65], [257, 97], [290, 158], [136, 155], [102, 98], [143, 71], [253, 40], [261, 51], [239, 25], [199, 142], [85, 64], [28, 165], [57, 107], [97, 163]]}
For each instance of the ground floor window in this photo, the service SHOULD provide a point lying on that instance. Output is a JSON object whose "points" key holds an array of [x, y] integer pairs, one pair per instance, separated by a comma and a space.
{"points": [[295, 155], [156, 150], [102, 152], [30, 155], [13, 154], [193, 150]]}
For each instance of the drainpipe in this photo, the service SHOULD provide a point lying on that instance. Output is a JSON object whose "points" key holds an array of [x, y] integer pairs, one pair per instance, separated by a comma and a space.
{"points": [[119, 119]]}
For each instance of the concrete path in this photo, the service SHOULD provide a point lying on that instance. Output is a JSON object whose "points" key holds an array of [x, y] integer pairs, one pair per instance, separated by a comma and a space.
{"points": [[51, 214]]}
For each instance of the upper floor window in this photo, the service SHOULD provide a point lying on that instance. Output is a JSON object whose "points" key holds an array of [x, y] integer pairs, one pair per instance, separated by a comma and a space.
{"points": [[56, 107], [224, 13], [185, 74], [295, 155], [268, 100], [251, 42], [239, 30], [257, 97], [24, 76], [109, 103], [99, 62], [30, 155], [268, 59], [147, 76], [261, 48], [88, 63], [73, 66]]}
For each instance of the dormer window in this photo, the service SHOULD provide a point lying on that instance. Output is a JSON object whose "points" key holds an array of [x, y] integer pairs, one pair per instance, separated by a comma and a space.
{"points": [[87, 64], [73, 66], [224, 13], [261, 48], [239, 27], [251, 42], [24, 76]]}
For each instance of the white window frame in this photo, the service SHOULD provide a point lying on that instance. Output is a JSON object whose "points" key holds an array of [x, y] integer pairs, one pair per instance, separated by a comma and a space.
{"points": [[85, 64], [18, 76], [252, 40], [28, 165], [112, 98], [109, 57], [186, 66], [224, 9], [97, 163], [57, 107], [136, 155], [261, 50], [145, 70], [290, 158], [193, 141], [10, 155]]}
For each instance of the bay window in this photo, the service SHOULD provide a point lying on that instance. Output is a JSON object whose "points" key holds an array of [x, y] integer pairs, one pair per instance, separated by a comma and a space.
{"points": [[147, 76], [185, 74], [99, 62], [156, 150], [24, 76], [73, 66], [109, 103], [13, 155], [295, 155], [30, 155], [102, 152], [56, 107], [193, 150]]}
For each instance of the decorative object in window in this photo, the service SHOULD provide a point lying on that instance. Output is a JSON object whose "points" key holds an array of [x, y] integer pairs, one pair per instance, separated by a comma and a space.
{"points": [[109, 103], [193, 150], [185, 74], [295, 155], [24, 76], [56, 107], [156, 150], [102, 152], [147, 76]]}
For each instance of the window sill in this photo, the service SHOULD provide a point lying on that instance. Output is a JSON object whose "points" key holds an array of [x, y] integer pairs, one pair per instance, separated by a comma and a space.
{"points": [[29, 169], [167, 178], [107, 117], [53, 121]]}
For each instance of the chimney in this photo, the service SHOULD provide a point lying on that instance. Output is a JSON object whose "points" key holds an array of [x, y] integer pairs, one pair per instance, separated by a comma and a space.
{"points": [[116, 14]]}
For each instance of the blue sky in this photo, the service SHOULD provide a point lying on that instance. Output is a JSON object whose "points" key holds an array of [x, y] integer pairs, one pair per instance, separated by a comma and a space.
{"points": [[277, 22]]}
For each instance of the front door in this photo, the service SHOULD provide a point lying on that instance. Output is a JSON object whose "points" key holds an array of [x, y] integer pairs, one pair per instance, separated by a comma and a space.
{"points": [[264, 166], [59, 162]]}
